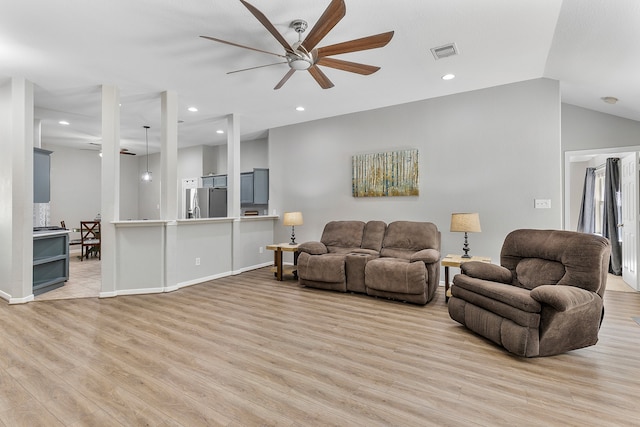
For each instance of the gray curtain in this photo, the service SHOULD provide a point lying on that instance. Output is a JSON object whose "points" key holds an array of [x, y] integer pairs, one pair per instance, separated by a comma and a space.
{"points": [[611, 213], [587, 219]]}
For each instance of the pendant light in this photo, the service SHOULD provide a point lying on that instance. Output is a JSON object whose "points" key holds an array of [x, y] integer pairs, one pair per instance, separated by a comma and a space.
{"points": [[146, 176]]}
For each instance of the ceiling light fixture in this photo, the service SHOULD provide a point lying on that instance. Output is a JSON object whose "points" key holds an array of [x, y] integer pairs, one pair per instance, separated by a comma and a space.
{"points": [[610, 99], [300, 108], [146, 176], [448, 77], [64, 123], [192, 109], [220, 131]]}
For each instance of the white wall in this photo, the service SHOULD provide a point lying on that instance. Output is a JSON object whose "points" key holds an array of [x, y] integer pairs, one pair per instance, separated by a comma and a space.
{"points": [[490, 151]]}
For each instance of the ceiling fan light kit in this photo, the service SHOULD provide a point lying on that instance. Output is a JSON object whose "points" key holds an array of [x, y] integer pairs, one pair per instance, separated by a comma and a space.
{"points": [[303, 55]]}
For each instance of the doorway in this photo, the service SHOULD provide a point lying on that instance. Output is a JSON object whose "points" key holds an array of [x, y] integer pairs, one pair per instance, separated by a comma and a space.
{"points": [[576, 163]]}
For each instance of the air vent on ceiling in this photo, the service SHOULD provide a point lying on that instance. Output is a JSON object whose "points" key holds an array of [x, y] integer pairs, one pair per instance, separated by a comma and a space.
{"points": [[444, 51]]}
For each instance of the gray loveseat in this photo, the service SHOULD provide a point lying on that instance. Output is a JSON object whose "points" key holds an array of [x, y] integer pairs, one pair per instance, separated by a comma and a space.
{"points": [[399, 261]]}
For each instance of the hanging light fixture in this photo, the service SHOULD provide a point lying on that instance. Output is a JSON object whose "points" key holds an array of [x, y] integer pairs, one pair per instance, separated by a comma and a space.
{"points": [[146, 176]]}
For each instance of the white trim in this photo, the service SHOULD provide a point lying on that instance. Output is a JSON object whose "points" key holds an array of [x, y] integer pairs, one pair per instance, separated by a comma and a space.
{"points": [[197, 281], [24, 300], [142, 291]]}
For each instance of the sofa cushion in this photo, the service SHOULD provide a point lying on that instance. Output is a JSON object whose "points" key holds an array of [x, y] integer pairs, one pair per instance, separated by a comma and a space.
{"points": [[396, 275], [577, 251], [313, 248], [344, 234], [373, 235], [533, 272], [324, 268], [511, 295], [411, 236]]}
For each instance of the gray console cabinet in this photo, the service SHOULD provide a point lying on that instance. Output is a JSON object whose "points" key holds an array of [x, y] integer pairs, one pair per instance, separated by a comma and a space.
{"points": [[50, 261]]}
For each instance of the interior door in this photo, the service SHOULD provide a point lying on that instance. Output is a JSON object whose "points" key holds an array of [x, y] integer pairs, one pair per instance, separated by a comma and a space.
{"points": [[630, 207]]}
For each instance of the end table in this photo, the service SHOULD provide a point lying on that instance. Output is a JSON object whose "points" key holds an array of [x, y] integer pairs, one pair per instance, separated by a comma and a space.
{"points": [[279, 269], [453, 260]]}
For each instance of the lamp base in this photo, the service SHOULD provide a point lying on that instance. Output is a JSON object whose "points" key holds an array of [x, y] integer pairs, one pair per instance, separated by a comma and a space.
{"points": [[293, 236], [465, 248]]}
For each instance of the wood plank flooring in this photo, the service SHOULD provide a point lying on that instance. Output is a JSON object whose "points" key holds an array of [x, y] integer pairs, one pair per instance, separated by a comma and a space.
{"points": [[248, 350]]}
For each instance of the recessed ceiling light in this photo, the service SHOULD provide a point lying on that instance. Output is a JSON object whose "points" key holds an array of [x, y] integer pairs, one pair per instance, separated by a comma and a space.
{"points": [[300, 108], [64, 123], [610, 99], [219, 131], [448, 77], [192, 109]]}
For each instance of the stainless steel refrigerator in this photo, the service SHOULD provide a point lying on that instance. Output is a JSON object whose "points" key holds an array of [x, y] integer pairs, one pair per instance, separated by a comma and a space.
{"points": [[206, 202]]}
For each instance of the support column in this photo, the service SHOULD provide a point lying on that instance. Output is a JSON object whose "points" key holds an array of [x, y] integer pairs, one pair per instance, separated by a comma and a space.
{"points": [[169, 185], [110, 187], [16, 193], [233, 184]]}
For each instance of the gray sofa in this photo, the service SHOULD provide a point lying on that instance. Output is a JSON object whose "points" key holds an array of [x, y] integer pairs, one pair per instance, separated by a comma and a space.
{"points": [[399, 261], [545, 298]]}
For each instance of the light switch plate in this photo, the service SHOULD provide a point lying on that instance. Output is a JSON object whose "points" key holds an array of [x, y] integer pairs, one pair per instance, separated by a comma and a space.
{"points": [[542, 203]]}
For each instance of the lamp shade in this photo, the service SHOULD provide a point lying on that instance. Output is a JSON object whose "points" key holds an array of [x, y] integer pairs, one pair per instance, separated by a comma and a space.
{"points": [[465, 222], [292, 218]]}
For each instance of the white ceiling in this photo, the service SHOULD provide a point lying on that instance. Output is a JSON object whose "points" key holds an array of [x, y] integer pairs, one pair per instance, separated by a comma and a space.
{"points": [[68, 48]]}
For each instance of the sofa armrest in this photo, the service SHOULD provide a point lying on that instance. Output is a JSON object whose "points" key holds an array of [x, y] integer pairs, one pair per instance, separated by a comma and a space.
{"points": [[487, 271], [313, 248], [562, 298], [428, 256]]}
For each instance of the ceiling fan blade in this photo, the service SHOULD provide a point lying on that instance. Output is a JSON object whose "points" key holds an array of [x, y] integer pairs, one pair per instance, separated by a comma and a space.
{"points": [[320, 77], [239, 45], [268, 25], [331, 16], [126, 152], [370, 42], [352, 67], [284, 79], [253, 68]]}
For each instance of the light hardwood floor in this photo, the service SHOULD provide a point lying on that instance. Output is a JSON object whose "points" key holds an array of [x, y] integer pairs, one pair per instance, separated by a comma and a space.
{"points": [[248, 350]]}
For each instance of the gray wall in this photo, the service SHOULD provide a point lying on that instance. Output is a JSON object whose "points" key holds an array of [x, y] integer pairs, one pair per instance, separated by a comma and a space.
{"points": [[584, 129], [490, 151], [590, 137], [75, 186]]}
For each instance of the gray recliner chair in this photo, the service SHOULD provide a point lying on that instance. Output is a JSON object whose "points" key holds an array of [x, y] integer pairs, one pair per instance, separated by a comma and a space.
{"points": [[545, 298]]}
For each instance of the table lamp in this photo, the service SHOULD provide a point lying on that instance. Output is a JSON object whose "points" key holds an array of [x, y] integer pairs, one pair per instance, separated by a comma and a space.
{"points": [[467, 223], [292, 219]]}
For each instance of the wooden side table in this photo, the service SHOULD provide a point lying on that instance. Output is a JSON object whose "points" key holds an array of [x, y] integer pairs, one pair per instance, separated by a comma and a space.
{"points": [[453, 260], [278, 268]]}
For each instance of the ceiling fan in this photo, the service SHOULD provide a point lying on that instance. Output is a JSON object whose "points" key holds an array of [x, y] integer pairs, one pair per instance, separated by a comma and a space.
{"points": [[303, 54], [122, 150]]}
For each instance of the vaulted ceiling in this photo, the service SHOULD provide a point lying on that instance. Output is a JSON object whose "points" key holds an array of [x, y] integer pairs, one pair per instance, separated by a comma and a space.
{"points": [[69, 48]]}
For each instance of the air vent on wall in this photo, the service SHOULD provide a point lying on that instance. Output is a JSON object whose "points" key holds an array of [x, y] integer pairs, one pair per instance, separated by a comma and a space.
{"points": [[444, 51]]}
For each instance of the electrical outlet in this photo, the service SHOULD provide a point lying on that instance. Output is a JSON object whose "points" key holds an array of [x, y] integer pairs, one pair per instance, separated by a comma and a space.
{"points": [[261, 249], [542, 203], [197, 261]]}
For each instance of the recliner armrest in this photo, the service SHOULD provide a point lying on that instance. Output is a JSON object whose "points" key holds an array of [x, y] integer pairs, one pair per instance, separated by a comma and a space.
{"points": [[428, 256], [313, 248], [487, 271], [561, 297]]}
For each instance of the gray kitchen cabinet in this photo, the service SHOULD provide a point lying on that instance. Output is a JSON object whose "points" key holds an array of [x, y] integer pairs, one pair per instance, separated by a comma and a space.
{"points": [[261, 186], [41, 175], [216, 181], [246, 188], [254, 187]]}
